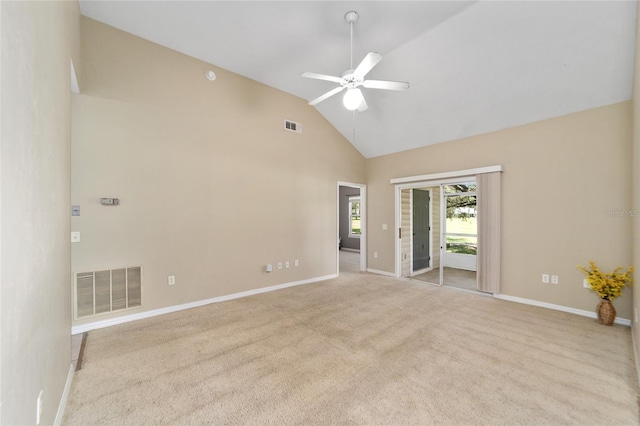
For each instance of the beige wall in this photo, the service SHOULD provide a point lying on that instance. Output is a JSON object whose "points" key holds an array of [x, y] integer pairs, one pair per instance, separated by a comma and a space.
{"points": [[636, 190], [211, 186], [38, 39], [561, 178]]}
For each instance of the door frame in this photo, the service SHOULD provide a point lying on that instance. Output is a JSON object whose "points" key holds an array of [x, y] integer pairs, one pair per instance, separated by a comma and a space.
{"points": [[398, 213], [412, 271], [363, 223]]}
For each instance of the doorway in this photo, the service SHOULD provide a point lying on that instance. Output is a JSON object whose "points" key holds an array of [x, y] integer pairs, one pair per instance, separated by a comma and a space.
{"points": [[351, 228], [438, 233], [420, 229], [460, 233]]}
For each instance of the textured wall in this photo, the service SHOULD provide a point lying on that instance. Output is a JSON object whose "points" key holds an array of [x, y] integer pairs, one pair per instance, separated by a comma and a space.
{"points": [[38, 41]]}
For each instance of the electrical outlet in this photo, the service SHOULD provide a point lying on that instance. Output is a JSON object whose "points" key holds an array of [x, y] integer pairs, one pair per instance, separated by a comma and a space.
{"points": [[296, 262], [554, 279], [286, 264], [172, 280], [545, 278], [75, 237]]}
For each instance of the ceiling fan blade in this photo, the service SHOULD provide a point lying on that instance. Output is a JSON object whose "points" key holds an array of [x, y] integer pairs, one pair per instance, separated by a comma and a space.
{"points": [[321, 77], [367, 63], [326, 95], [363, 105], [387, 85]]}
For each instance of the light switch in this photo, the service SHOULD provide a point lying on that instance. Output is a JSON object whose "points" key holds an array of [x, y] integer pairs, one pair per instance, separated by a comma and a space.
{"points": [[75, 237], [384, 226]]}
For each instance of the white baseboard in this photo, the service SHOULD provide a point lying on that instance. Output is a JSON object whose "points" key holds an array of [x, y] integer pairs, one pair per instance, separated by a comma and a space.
{"points": [[148, 314], [385, 273], [65, 397], [590, 314]]}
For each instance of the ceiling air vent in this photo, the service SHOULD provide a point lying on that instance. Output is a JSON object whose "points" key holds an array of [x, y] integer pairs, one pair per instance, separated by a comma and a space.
{"points": [[292, 126]]}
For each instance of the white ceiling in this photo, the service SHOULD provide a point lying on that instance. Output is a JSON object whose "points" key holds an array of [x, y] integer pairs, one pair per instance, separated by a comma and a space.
{"points": [[474, 67]]}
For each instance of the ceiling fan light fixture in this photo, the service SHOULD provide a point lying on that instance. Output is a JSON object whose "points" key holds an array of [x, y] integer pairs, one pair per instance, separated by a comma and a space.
{"points": [[352, 99]]}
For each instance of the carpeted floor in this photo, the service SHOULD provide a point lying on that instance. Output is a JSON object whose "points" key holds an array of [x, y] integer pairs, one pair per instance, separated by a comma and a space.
{"points": [[360, 349]]}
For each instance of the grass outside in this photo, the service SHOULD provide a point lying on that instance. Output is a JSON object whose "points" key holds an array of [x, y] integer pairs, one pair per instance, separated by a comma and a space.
{"points": [[462, 244]]}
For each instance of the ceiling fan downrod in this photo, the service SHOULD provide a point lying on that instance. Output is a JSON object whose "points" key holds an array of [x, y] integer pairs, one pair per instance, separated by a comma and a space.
{"points": [[351, 17]]}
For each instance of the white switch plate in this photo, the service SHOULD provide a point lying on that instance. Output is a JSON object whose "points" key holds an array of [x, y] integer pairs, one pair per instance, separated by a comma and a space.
{"points": [[296, 262], [384, 226], [554, 279], [545, 278], [375, 254], [75, 237], [279, 265], [286, 264], [585, 283], [171, 280]]}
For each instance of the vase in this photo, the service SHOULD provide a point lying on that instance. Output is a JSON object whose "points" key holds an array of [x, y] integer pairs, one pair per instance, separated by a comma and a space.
{"points": [[606, 312]]}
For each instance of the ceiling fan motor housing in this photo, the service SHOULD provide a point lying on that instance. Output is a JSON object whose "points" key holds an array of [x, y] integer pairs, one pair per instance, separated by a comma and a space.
{"points": [[351, 17]]}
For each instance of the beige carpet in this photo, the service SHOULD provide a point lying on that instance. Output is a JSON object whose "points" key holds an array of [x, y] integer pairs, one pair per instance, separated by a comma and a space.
{"points": [[361, 349]]}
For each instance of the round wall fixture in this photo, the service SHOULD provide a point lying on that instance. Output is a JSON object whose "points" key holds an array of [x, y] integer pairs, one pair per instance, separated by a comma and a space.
{"points": [[211, 75]]}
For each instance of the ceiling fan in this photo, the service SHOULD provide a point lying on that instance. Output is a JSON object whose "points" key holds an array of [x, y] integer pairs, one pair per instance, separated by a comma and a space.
{"points": [[352, 78]]}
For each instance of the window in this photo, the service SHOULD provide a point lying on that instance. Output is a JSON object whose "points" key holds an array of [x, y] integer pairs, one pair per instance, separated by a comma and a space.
{"points": [[461, 226], [354, 217]]}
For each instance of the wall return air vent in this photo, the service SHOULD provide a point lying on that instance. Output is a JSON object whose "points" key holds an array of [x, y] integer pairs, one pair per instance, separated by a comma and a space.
{"points": [[292, 126], [101, 292]]}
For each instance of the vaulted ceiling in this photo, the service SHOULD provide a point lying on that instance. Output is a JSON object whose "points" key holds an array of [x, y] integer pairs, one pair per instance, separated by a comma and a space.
{"points": [[473, 67]]}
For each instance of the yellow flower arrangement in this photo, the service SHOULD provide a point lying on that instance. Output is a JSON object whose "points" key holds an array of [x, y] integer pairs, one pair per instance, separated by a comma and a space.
{"points": [[608, 286]]}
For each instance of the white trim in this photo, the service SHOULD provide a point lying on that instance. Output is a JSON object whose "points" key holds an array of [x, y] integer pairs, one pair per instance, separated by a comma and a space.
{"points": [[447, 175], [379, 272], [590, 314], [148, 314], [65, 397]]}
